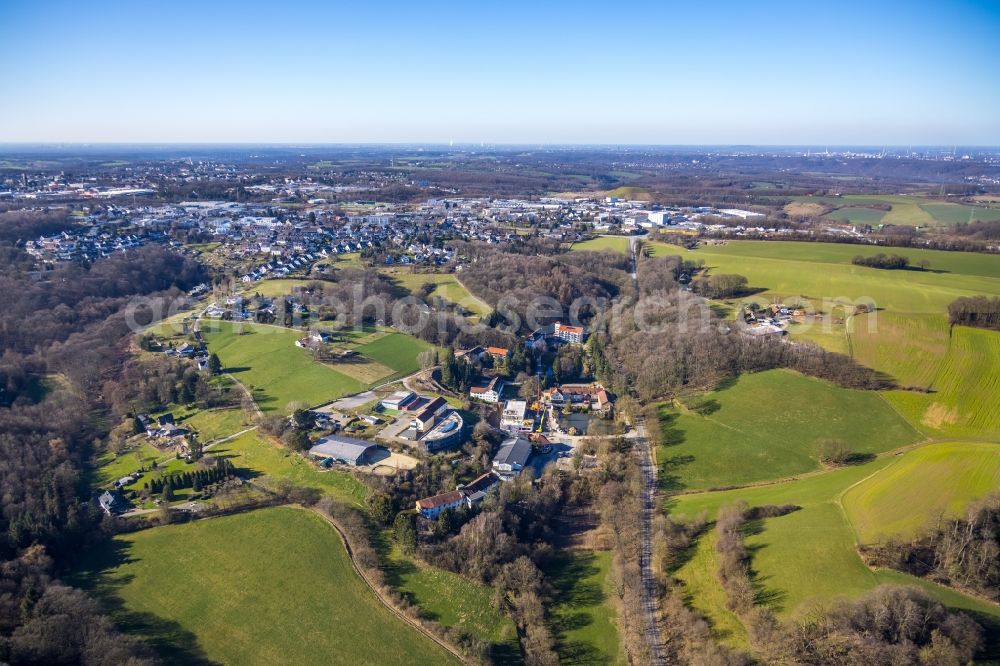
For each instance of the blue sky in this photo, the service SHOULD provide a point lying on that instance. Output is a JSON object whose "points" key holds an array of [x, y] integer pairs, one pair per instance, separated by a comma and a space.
{"points": [[883, 73]]}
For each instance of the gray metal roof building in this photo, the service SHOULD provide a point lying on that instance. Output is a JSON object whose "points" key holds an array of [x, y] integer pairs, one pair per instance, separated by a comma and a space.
{"points": [[347, 449], [512, 457]]}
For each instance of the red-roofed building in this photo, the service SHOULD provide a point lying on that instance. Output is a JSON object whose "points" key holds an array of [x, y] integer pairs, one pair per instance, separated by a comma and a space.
{"points": [[569, 333], [498, 353], [430, 507]]}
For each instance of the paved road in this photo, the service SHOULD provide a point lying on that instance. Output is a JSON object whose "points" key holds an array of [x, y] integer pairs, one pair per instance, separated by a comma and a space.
{"points": [[650, 602]]}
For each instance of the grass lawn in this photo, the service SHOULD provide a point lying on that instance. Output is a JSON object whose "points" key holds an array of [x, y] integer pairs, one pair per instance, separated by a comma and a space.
{"points": [[266, 359], [582, 612], [186, 588], [453, 601], [110, 467], [604, 244], [926, 485], [808, 557], [212, 424], [765, 426], [256, 454], [699, 574]]}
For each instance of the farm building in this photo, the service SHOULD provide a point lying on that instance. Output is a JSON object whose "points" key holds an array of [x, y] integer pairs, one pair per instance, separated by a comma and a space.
{"points": [[345, 449]]}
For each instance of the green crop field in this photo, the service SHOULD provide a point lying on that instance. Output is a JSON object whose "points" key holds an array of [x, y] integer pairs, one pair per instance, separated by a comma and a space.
{"points": [[908, 210], [908, 347], [809, 557], [186, 588], [582, 615], [926, 485], [266, 359], [604, 244], [950, 213], [453, 601], [765, 426], [965, 390]]}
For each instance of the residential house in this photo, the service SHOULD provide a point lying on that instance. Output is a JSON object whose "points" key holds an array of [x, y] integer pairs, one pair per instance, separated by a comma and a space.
{"points": [[112, 503], [469, 494], [431, 507], [491, 392], [568, 333], [593, 396]]}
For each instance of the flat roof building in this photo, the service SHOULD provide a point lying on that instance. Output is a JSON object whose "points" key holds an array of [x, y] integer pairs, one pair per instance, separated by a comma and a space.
{"points": [[398, 400]]}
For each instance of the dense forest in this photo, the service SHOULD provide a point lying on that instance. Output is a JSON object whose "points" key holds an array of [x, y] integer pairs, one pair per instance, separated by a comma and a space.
{"points": [[61, 335], [513, 282]]}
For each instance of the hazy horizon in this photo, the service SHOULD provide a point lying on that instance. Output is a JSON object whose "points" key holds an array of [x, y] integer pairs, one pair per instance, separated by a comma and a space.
{"points": [[897, 74]]}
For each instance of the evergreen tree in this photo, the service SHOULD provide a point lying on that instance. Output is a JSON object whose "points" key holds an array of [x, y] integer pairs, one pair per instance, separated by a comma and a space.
{"points": [[214, 364]]}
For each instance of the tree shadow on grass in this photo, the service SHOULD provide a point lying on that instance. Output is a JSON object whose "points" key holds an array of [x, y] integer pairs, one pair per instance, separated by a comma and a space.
{"points": [[573, 589], [98, 576], [772, 598], [669, 479]]}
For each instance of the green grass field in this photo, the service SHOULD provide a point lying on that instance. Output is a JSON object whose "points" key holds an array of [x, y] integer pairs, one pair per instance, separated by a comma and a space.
{"points": [[271, 462], [699, 575], [765, 426], [397, 351], [275, 288], [453, 601], [604, 244], [447, 287], [808, 557], [924, 486], [266, 587], [110, 467], [266, 359], [857, 215], [823, 272], [582, 616]]}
